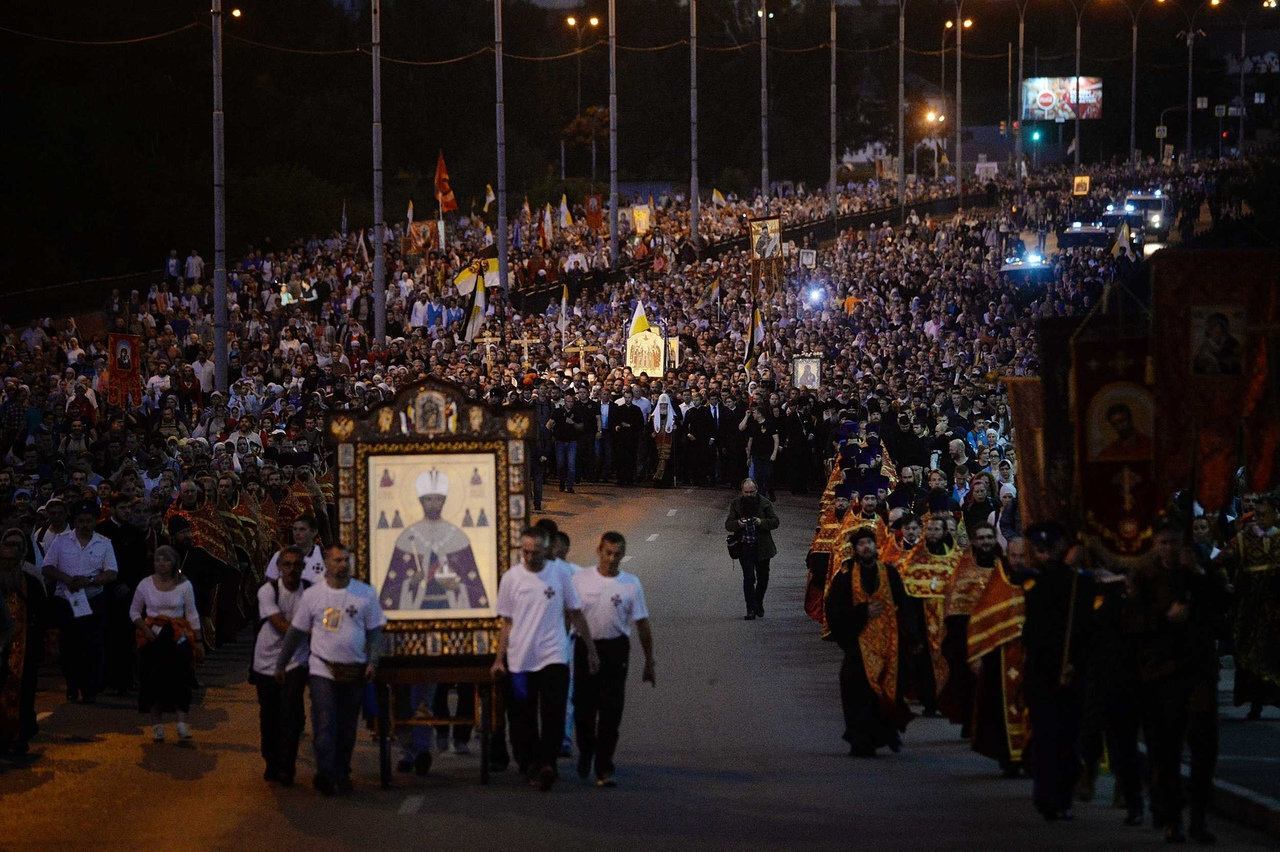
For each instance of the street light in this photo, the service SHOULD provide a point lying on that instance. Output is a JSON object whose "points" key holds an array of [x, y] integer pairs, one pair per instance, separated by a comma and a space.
{"points": [[1190, 34], [1242, 15], [962, 24], [1134, 13], [579, 27], [1017, 125], [934, 121], [947, 27], [764, 15], [1079, 6]]}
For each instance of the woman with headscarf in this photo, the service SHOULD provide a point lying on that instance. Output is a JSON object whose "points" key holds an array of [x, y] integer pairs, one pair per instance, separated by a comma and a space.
{"points": [[666, 424], [22, 607]]}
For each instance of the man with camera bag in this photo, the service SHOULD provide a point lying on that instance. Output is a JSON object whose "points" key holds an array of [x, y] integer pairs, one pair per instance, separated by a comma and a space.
{"points": [[751, 523]]}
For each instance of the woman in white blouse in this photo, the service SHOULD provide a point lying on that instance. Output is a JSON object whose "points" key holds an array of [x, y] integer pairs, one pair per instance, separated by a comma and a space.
{"points": [[168, 628]]}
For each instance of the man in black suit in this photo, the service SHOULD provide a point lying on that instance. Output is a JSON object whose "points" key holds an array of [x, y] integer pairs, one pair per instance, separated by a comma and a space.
{"points": [[699, 443], [627, 425], [724, 419]]}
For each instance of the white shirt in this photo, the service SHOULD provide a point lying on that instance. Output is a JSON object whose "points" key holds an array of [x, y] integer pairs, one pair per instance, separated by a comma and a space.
{"points": [[178, 602], [337, 620], [266, 650], [66, 554], [536, 605], [610, 604], [312, 566]]}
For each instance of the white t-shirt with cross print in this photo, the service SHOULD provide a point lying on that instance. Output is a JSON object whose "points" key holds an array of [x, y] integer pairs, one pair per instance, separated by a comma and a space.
{"points": [[611, 604], [337, 620], [536, 605]]}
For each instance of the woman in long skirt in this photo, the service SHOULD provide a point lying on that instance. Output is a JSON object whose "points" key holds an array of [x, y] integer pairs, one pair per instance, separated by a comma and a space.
{"points": [[169, 642]]}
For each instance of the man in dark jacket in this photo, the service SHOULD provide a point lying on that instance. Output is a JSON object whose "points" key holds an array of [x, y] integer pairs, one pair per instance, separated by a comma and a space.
{"points": [[627, 425], [699, 444], [752, 519]]}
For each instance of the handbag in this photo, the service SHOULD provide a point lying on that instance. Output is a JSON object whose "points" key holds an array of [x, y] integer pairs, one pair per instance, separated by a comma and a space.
{"points": [[734, 542], [345, 673]]}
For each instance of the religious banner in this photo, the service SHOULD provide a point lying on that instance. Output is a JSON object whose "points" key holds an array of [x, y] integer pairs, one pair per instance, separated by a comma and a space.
{"points": [[595, 212], [640, 219], [673, 352], [806, 372], [124, 381], [645, 353], [1114, 415], [424, 237], [1036, 501], [766, 250], [1054, 337], [1215, 320]]}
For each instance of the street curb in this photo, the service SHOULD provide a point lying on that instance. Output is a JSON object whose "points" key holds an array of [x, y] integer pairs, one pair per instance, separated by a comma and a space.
{"points": [[1243, 806]]}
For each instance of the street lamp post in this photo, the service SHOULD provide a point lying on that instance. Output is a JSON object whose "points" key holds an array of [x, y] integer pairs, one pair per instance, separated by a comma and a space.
{"points": [[1190, 34], [831, 178], [219, 211], [578, 28], [902, 106], [694, 207], [765, 15], [613, 134], [959, 114], [1017, 125], [379, 216], [500, 120]]}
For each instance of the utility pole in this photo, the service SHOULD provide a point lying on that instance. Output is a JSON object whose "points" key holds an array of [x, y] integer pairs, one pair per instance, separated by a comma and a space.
{"points": [[379, 214]]}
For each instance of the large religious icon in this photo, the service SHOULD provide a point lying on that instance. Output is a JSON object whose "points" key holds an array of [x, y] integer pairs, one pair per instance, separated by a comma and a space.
{"points": [[595, 212], [645, 353], [806, 372], [1217, 348], [1080, 185], [433, 536], [766, 238], [124, 379], [1120, 422]]}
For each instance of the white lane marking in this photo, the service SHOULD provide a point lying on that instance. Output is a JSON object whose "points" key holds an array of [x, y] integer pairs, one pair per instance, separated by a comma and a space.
{"points": [[411, 804], [40, 717], [671, 513], [626, 559], [652, 537]]}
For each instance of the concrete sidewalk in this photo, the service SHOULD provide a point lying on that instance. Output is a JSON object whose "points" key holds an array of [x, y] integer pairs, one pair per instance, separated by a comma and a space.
{"points": [[1247, 781]]}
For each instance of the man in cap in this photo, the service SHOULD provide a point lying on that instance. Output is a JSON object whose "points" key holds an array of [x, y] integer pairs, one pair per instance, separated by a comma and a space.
{"points": [[82, 563], [432, 566]]}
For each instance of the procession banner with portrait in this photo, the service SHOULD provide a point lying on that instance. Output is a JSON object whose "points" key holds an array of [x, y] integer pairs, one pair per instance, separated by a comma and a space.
{"points": [[646, 353], [124, 379], [1114, 416], [765, 242], [595, 212], [1216, 330], [806, 372], [1026, 406], [432, 495]]}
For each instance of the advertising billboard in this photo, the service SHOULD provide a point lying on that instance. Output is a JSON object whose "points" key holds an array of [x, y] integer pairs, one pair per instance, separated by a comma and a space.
{"points": [[1054, 98]]}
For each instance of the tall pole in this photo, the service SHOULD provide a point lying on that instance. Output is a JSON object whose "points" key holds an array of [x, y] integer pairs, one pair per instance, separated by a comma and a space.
{"points": [[1240, 135], [219, 212], [1078, 145], [831, 165], [1133, 96], [959, 113], [578, 30], [1019, 116], [902, 106], [613, 134], [1009, 92], [501, 121], [694, 211], [1191, 41], [379, 214], [764, 98]]}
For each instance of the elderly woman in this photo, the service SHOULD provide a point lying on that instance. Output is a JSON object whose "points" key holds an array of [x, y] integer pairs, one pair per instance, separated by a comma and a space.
{"points": [[169, 642], [22, 607]]}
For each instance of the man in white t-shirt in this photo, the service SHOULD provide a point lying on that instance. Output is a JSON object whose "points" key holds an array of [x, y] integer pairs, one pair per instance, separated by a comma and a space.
{"points": [[612, 601], [344, 621], [534, 599], [280, 711], [305, 530]]}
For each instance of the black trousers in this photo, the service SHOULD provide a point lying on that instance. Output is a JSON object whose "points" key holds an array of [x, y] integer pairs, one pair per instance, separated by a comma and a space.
{"points": [[280, 719], [537, 715], [1177, 710], [82, 647], [598, 700], [755, 580], [1055, 748]]}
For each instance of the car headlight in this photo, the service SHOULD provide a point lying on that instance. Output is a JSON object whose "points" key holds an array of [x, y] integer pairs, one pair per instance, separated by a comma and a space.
{"points": [[1155, 218]]}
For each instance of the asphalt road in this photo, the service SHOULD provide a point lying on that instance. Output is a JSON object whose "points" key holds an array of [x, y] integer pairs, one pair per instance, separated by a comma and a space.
{"points": [[738, 747]]}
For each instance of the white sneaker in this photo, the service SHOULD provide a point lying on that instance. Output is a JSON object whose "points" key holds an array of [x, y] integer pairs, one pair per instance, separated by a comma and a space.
{"points": [[184, 733], [157, 733]]}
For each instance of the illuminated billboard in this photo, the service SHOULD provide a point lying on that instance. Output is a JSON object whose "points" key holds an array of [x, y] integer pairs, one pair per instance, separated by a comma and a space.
{"points": [[1054, 98]]}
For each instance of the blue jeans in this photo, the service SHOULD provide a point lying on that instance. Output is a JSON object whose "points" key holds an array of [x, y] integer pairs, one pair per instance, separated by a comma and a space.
{"points": [[567, 462], [335, 714], [604, 457]]}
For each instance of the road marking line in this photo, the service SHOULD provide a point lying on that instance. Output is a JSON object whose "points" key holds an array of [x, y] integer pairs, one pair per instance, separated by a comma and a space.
{"points": [[626, 559], [411, 804], [652, 537], [671, 513], [40, 717]]}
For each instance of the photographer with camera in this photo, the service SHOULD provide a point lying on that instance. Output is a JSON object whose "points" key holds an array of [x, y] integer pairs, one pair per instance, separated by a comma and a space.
{"points": [[750, 525]]}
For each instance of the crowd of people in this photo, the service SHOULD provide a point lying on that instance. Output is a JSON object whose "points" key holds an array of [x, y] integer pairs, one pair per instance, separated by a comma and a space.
{"points": [[206, 500]]}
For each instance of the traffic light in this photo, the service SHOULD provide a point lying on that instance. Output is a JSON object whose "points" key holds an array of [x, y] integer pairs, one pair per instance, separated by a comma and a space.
{"points": [[1224, 134], [1004, 129], [1035, 136]]}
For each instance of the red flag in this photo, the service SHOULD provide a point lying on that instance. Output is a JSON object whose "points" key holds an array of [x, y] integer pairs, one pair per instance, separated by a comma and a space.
{"points": [[444, 191]]}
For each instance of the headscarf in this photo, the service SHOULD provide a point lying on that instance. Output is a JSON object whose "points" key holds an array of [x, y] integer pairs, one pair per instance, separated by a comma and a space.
{"points": [[670, 425]]}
